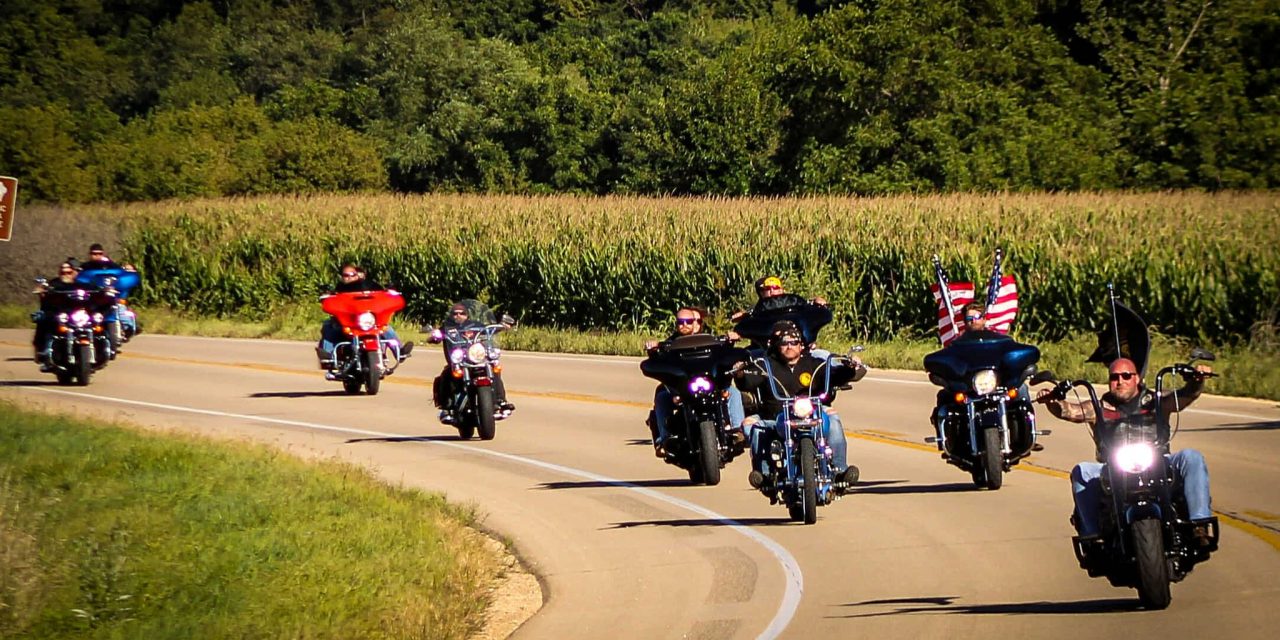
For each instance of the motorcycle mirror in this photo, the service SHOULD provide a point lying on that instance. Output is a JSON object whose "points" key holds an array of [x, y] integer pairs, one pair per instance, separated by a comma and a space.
{"points": [[1042, 376], [856, 349], [42, 281], [427, 328], [1201, 354], [508, 320]]}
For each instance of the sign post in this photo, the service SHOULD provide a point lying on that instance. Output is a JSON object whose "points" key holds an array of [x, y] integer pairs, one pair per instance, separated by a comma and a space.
{"points": [[8, 200]]}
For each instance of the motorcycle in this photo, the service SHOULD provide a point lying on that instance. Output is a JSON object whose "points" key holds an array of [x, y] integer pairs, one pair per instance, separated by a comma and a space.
{"points": [[697, 369], [475, 361], [985, 423], [1146, 537], [366, 358], [80, 343], [121, 321], [804, 465]]}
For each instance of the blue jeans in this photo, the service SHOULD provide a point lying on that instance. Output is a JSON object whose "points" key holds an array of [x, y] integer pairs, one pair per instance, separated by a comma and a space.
{"points": [[663, 407], [331, 336], [1086, 487], [764, 431]]}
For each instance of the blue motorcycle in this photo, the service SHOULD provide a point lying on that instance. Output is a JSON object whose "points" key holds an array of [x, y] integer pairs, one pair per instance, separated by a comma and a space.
{"points": [[120, 320]]}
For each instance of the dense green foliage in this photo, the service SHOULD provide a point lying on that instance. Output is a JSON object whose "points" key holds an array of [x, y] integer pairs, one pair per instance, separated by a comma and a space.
{"points": [[626, 263], [106, 532], [149, 99]]}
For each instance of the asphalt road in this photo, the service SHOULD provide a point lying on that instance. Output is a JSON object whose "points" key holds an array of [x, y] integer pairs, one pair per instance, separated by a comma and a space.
{"points": [[626, 548]]}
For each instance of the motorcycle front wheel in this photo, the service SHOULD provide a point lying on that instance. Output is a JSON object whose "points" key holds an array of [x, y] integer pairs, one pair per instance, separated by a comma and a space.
{"points": [[992, 459], [84, 368], [484, 411], [709, 453], [805, 507], [372, 372], [1153, 569]]}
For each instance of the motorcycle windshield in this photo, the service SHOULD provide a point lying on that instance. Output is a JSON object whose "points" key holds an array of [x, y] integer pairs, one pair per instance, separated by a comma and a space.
{"points": [[979, 350], [72, 299], [347, 307], [809, 317], [123, 281], [477, 312], [690, 356]]}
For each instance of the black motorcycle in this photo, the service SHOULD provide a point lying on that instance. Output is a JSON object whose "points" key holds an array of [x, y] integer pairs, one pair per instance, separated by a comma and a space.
{"points": [[1147, 539], [697, 369], [475, 361], [80, 344], [984, 422]]}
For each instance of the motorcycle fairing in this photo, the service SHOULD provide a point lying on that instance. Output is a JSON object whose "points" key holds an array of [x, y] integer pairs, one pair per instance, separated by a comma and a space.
{"points": [[980, 350]]}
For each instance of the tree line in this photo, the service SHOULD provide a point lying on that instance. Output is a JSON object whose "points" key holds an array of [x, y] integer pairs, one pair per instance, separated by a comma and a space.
{"points": [[127, 100]]}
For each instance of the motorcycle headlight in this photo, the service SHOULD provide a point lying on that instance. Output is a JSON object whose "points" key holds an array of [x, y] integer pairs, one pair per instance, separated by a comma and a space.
{"points": [[1135, 458], [803, 408], [97, 317], [457, 355], [62, 317], [699, 385], [366, 321], [80, 318], [984, 382], [476, 353]]}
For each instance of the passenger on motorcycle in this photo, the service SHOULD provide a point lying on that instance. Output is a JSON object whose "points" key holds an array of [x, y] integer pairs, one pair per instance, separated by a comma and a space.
{"points": [[98, 259], [66, 281], [774, 297], [794, 368], [689, 320], [353, 278], [444, 386], [1127, 396]]}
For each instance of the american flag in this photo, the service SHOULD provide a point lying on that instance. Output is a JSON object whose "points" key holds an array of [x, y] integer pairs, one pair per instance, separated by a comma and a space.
{"points": [[1000, 315]]}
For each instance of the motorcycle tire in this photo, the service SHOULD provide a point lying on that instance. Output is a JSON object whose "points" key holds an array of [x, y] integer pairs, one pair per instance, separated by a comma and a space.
{"points": [[372, 372], [84, 366], [351, 385], [466, 431], [709, 453], [484, 409], [65, 378], [1152, 569], [992, 459], [809, 473]]}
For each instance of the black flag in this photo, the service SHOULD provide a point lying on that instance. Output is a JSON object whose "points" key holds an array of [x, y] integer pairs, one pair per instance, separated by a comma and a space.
{"points": [[1125, 336]]}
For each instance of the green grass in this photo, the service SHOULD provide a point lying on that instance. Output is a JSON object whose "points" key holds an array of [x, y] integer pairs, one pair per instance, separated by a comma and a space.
{"points": [[1247, 370], [111, 532]]}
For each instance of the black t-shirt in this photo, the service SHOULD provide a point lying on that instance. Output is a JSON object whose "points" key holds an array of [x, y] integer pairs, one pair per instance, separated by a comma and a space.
{"points": [[788, 377]]}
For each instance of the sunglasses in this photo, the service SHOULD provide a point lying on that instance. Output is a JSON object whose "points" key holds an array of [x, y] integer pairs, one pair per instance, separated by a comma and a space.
{"points": [[972, 318], [1122, 375], [64, 271], [457, 313], [791, 343], [686, 320], [349, 274], [95, 253]]}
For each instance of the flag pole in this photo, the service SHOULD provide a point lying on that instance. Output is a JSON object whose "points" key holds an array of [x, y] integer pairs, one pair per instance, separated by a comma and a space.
{"points": [[993, 285], [1115, 319], [945, 291]]}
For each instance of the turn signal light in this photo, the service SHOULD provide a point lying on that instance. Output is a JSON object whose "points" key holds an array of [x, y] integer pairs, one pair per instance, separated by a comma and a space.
{"points": [[457, 373], [960, 397], [497, 368], [1013, 393]]}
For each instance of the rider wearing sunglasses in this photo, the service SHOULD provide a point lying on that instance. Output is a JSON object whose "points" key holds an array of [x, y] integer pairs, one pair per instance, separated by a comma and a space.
{"points": [[351, 279], [44, 319], [688, 321], [1128, 396], [794, 369]]}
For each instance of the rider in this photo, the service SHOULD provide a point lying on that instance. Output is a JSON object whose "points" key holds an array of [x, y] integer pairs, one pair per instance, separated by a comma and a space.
{"points": [[774, 297], [973, 328], [689, 321], [794, 369], [443, 387], [353, 279], [43, 340], [97, 259], [1128, 396]]}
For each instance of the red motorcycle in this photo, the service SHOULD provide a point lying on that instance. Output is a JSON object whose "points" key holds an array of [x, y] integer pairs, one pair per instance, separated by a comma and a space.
{"points": [[366, 357]]}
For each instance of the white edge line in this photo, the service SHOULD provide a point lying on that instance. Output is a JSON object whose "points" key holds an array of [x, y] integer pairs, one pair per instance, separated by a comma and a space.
{"points": [[794, 578]]}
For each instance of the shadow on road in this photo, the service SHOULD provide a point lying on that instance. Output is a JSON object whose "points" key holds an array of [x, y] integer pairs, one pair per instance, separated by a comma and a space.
{"points": [[1243, 426], [448, 438], [600, 484], [704, 522], [29, 383], [332, 393], [19, 359], [635, 442], [943, 604], [951, 487]]}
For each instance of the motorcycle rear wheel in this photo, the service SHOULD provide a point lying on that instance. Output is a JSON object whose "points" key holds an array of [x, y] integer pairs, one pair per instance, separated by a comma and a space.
{"points": [[1153, 569], [992, 459], [709, 453], [372, 372], [484, 411]]}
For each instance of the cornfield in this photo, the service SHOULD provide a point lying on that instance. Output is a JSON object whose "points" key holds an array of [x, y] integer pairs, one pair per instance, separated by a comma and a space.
{"points": [[1196, 265]]}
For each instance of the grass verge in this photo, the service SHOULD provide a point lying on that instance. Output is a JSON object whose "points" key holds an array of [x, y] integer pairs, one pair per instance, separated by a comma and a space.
{"points": [[107, 531], [1247, 370]]}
